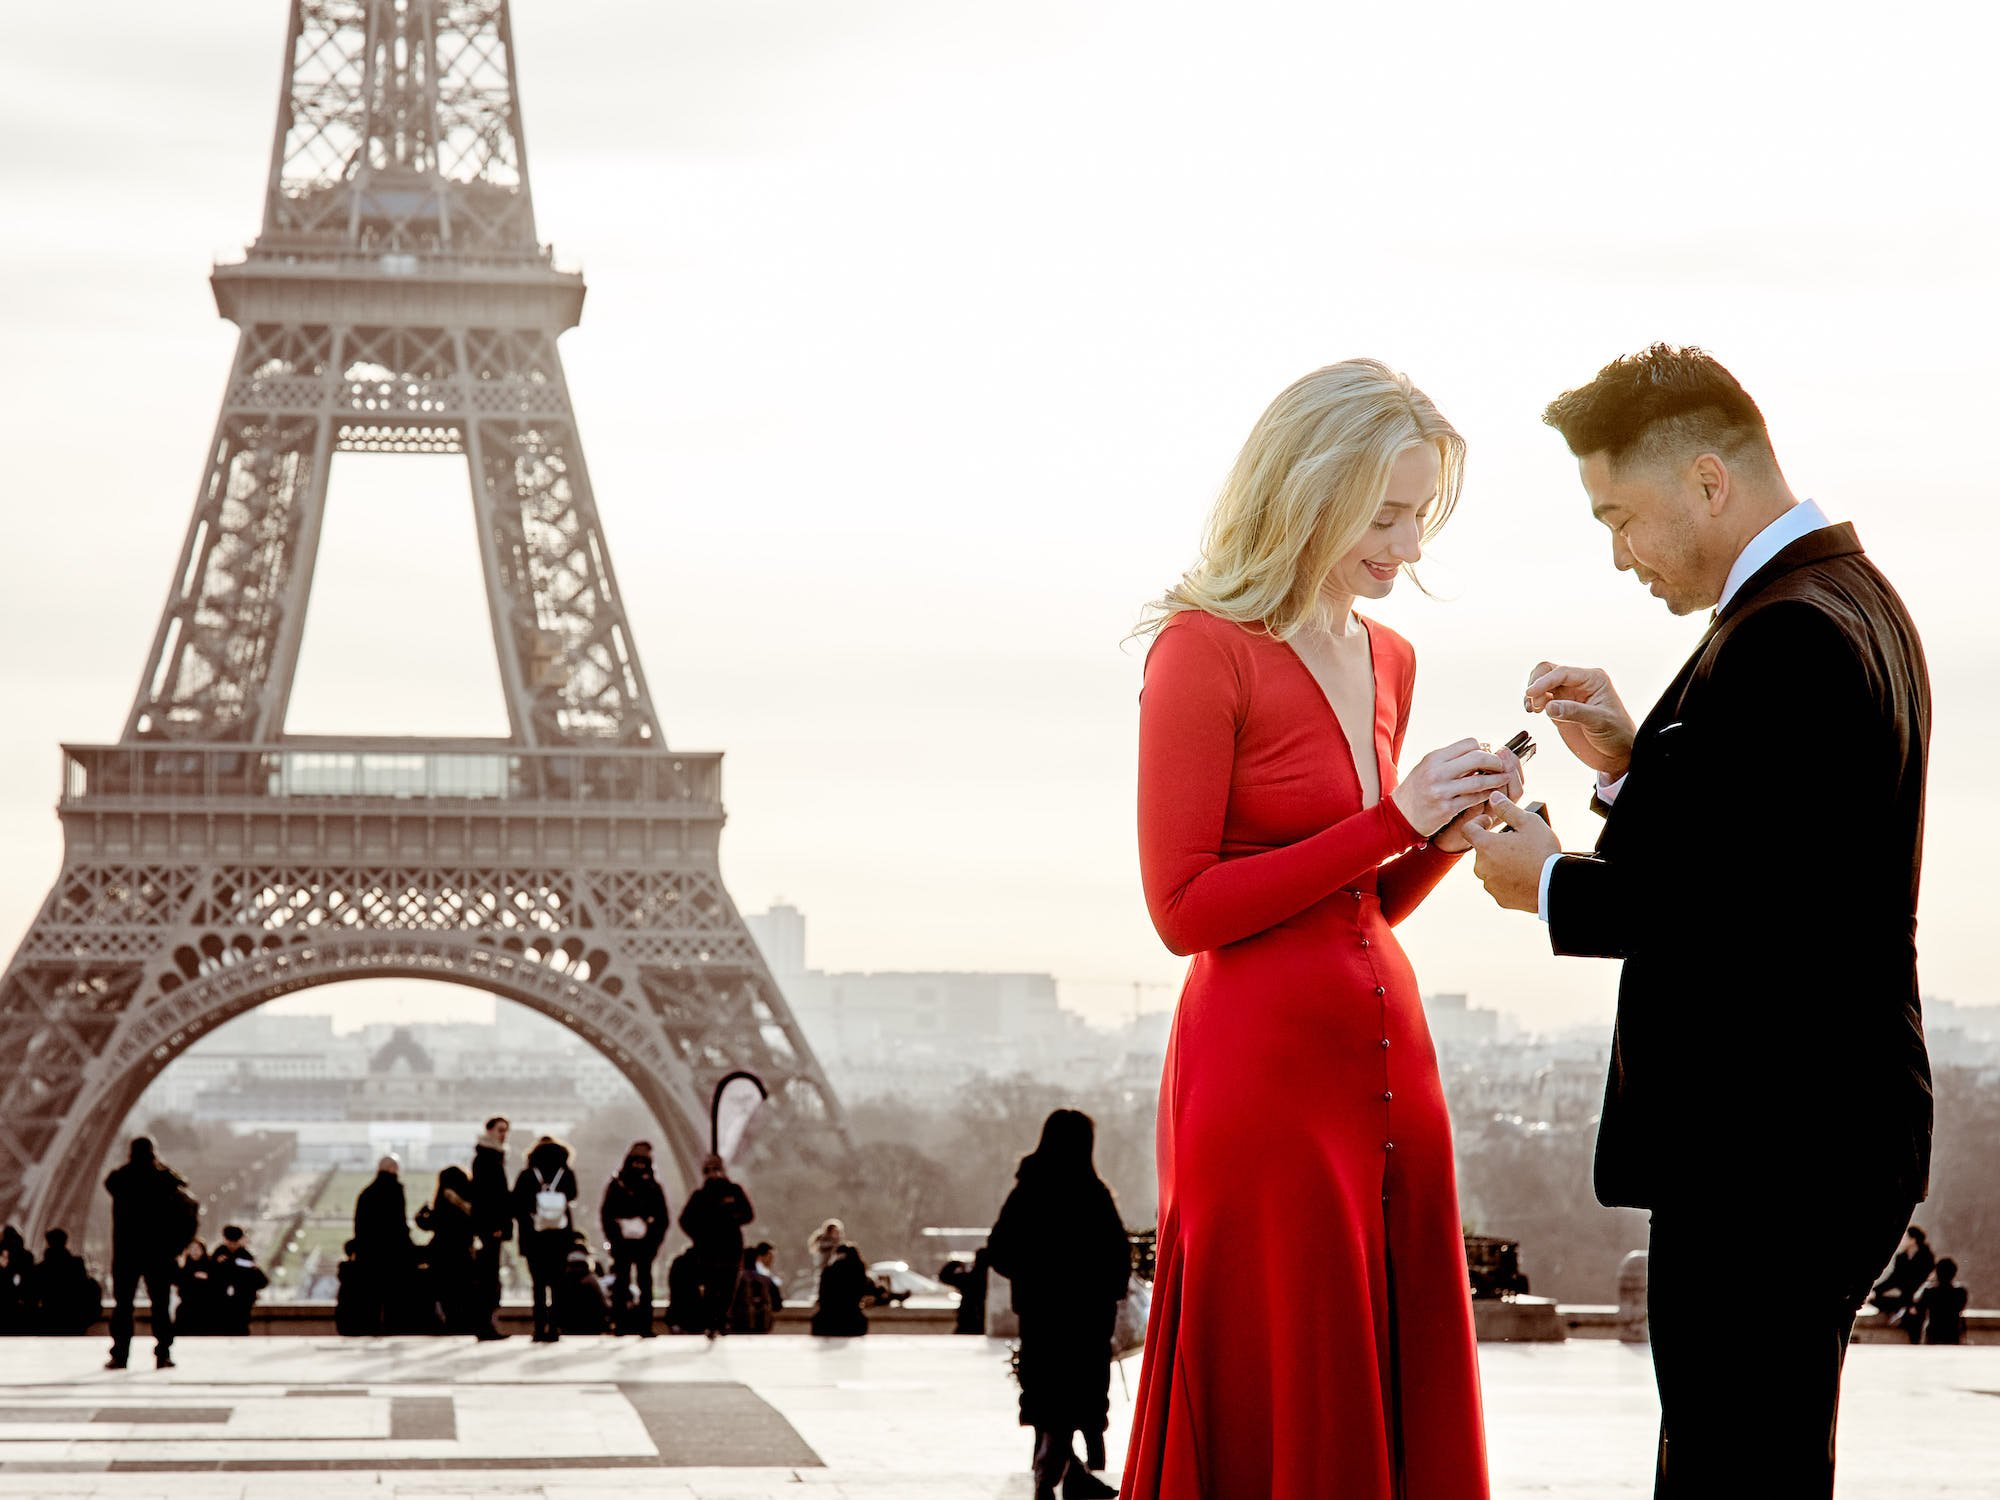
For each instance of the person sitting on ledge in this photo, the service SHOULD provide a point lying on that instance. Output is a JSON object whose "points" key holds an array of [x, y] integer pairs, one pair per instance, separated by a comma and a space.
{"points": [[1939, 1308], [843, 1287], [1893, 1294]]}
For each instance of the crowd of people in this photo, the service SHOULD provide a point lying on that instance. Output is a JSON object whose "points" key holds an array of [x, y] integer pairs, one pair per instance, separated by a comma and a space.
{"points": [[1921, 1293], [56, 1294], [389, 1283]]}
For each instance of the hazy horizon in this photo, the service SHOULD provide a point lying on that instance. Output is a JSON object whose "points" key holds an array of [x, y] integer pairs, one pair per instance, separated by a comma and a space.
{"points": [[917, 342]]}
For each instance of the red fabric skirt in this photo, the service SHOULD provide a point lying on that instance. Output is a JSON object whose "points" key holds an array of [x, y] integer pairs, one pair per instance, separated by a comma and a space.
{"points": [[1311, 1330]]}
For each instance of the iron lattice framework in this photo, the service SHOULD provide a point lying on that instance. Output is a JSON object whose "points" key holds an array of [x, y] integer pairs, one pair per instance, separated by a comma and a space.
{"points": [[396, 301]]}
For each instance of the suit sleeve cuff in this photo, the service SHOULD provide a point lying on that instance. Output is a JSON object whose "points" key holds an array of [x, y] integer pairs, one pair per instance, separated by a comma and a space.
{"points": [[1542, 892]]}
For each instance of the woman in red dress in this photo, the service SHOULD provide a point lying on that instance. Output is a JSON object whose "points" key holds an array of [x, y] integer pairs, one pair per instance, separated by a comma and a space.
{"points": [[1300, 1105]]}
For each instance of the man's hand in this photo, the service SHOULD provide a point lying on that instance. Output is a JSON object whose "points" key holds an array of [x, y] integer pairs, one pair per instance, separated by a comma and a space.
{"points": [[1509, 862], [1587, 713]]}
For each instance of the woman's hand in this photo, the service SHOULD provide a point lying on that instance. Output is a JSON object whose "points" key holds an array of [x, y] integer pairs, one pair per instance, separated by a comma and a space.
{"points": [[1451, 838], [1448, 782]]}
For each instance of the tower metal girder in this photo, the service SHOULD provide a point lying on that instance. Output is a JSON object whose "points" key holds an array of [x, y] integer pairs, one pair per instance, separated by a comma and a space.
{"points": [[396, 301]]}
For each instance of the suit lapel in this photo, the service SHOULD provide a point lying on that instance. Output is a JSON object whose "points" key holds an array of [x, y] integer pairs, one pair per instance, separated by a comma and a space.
{"points": [[1814, 546]]}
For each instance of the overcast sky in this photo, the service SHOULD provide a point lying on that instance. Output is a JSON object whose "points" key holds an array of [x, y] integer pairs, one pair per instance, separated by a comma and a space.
{"points": [[919, 337]]}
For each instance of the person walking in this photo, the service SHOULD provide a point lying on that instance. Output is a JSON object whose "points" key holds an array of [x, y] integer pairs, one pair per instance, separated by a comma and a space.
{"points": [[153, 1217], [383, 1248], [238, 1280], [635, 1222], [450, 1271], [493, 1220], [1300, 1099], [1062, 1246], [542, 1196], [713, 1218], [1769, 1026]]}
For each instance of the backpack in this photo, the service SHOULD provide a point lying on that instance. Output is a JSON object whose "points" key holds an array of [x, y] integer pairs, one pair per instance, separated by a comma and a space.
{"points": [[182, 1217], [551, 1205]]}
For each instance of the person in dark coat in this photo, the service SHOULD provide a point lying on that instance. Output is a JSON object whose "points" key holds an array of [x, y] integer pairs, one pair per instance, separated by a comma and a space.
{"points": [[383, 1249], [758, 1295], [714, 1218], [450, 1270], [238, 1279], [493, 1221], [17, 1274], [69, 1296], [1907, 1273], [684, 1305], [969, 1281], [844, 1286], [194, 1281], [1722, 1076], [353, 1303], [583, 1303], [635, 1222], [1939, 1308], [150, 1225], [1062, 1246], [545, 1236]]}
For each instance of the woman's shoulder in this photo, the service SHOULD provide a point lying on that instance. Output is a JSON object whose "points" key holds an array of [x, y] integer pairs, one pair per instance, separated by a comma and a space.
{"points": [[1214, 627], [1190, 637]]}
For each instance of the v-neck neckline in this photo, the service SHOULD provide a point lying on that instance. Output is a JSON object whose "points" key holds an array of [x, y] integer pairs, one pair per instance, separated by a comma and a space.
{"points": [[1374, 709]]}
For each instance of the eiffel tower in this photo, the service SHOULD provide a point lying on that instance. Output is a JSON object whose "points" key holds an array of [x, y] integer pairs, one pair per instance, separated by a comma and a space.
{"points": [[396, 301]]}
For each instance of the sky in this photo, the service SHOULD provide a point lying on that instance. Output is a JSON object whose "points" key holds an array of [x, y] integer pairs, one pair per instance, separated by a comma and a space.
{"points": [[919, 339]]}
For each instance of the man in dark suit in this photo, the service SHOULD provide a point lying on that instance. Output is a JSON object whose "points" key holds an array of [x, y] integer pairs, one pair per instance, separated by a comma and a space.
{"points": [[1757, 873]]}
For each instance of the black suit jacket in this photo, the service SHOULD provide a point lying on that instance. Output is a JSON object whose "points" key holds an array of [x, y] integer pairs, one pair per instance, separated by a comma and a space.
{"points": [[1758, 874]]}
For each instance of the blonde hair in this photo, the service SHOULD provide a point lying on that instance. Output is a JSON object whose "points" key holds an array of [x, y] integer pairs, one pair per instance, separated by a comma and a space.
{"points": [[1305, 489]]}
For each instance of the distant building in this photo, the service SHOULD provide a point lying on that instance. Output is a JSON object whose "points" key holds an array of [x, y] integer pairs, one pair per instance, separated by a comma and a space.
{"points": [[922, 1035], [423, 1092], [1456, 1027]]}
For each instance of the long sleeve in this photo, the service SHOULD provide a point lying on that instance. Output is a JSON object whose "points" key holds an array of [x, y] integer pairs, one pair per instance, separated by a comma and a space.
{"points": [[1188, 716], [1407, 879]]}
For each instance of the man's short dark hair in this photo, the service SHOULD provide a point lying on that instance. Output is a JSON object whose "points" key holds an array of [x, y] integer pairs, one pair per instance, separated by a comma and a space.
{"points": [[1665, 403], [496, 1122]]}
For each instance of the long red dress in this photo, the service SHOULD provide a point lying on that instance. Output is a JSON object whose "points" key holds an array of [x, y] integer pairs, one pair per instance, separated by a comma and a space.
{"points": [[1311, 1330]]}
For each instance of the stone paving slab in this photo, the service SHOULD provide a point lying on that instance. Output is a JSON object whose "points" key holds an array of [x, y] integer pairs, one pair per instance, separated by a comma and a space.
{"points": [[886, 1417]]}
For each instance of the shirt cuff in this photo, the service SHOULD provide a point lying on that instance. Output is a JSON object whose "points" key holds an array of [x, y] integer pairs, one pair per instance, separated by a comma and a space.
{"points": [[1607, 791], [1542, 893]]}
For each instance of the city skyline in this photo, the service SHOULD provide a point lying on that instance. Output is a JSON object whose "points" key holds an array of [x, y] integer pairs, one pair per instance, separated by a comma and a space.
{"points": [[902, 396]]}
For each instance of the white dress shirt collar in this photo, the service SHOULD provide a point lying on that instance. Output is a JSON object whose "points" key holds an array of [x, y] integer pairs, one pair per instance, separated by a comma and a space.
{"points": [[1801, 520]]}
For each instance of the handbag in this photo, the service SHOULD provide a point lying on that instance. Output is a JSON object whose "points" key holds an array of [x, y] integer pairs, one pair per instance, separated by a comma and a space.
{"points": [[632, 1229], [1128, 1331]]}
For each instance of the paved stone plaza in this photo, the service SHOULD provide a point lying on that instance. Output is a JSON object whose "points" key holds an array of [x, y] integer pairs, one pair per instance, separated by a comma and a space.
{"points": [[889, 1416]]}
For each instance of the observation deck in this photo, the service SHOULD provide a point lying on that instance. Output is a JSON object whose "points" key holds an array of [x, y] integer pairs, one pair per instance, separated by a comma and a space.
{"points": [[431, 800]]}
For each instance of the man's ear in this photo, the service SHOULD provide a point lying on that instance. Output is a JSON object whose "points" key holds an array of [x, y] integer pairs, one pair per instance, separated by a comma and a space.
{"points": [[1711, 476]]}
